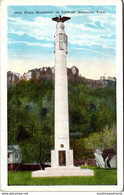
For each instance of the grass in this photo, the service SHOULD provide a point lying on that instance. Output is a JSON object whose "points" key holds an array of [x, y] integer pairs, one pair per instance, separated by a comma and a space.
{"points": [[101, 177]]}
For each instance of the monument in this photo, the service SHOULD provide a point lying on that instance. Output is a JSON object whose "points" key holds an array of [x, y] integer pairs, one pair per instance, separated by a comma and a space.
{"points": [[61, 156]]}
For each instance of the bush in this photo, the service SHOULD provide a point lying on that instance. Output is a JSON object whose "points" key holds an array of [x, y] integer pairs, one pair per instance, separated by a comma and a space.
{"points": [[80, 151], [104, 139]]}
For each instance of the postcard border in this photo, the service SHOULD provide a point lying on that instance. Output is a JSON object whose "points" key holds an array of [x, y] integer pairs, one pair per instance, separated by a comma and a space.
{"points": [[3, 102]]}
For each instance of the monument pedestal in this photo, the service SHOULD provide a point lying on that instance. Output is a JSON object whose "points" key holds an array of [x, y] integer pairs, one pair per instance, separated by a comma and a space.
{"points": [[62, 171], [62, 165]]}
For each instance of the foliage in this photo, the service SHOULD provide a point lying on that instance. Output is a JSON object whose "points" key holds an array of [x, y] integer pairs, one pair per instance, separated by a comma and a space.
{"points": [[103, 139], [80, 150], [29, 110], [31, 116], [101, 177], [91, 110]]}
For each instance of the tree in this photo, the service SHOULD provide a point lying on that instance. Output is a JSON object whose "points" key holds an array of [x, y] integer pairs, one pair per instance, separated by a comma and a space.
{"points": [[103, 139]]}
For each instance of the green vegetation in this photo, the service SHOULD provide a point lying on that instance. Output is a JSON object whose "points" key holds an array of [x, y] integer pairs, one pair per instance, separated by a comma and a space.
{"points": [[102, 139], [101, 177], [92, 112]]}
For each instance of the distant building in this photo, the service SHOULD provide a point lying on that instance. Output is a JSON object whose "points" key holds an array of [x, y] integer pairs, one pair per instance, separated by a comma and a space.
{"points": [[14, 154]]}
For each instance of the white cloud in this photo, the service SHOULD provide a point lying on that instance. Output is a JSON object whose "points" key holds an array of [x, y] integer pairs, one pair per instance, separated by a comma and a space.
{"points": [[87, 33], [93, 31], [96, 51], [37, 28], [10, 41]]}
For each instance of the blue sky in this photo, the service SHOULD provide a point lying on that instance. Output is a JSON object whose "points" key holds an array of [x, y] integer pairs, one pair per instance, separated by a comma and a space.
{"points": [[91, 38]]}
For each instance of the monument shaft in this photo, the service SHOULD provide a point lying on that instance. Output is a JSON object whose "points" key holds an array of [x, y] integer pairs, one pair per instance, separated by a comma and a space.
{"points": [[62, 155], [61, 98]]}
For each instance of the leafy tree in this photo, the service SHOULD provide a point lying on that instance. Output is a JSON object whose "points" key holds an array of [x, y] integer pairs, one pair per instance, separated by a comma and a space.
{"points": [[103, 139]]}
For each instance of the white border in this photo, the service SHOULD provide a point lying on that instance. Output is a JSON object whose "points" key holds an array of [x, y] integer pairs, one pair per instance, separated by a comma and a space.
{"points": [[4, 175]]}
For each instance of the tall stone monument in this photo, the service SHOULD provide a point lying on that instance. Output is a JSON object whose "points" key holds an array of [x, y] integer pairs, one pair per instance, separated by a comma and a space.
{"points": [[61, 156]]}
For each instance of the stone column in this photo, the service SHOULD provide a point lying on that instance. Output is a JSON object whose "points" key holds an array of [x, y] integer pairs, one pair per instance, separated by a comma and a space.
{"points": [[61, 155]]}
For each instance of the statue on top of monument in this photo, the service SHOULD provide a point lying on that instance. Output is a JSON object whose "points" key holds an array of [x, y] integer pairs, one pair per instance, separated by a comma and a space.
{"points": [[61, 19]]}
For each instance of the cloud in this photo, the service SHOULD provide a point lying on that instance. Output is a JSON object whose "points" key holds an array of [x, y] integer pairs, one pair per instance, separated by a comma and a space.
{"points": [[95, 22], [37, 27], [96, 50], [30, 43], [97, 26], [94, 32], [112, 37]]}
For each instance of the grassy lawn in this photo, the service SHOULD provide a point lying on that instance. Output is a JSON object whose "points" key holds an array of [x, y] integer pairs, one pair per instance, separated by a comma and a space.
{"points": [[101, 177]]}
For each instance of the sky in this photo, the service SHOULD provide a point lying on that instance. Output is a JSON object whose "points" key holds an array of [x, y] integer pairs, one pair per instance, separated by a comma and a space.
{"points": [[91, 35]]}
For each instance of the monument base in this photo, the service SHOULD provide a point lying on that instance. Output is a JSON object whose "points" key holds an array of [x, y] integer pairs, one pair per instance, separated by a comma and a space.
{"points": [[62, 171]]}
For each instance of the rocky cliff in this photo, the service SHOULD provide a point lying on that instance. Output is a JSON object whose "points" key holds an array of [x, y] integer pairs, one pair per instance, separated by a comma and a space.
{"points": [[13, 78], [49, 73]]}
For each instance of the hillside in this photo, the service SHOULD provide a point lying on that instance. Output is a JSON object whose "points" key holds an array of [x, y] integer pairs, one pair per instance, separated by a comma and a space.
{"points": [[31, 114]]}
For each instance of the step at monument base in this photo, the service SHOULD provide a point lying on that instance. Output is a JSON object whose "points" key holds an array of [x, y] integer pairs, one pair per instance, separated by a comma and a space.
{"points": [[63, 171]]}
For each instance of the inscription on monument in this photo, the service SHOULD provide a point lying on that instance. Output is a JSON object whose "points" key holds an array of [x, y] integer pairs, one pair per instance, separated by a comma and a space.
{"points": [[62, 158], [62, 42]]}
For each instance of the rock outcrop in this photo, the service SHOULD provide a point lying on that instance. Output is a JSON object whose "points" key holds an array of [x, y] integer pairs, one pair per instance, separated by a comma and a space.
{"points": [[13, 78], [49, 73], [39, 74]]}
